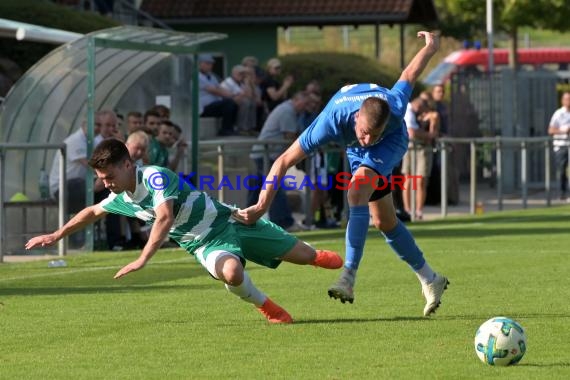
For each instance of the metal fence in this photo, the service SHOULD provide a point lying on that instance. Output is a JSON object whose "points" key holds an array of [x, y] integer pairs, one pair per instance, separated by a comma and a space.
{"points": [[62, 205], [497, 146], [505, 103], [230, 158], [223, 158], [483, 152]]}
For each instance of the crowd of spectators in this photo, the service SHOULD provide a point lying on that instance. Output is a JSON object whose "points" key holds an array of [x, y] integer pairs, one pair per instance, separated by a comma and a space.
{"points": [[251, 101]]}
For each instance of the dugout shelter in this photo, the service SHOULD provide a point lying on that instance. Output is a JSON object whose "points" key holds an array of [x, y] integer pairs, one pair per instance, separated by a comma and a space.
{"points": [[123, 68]]}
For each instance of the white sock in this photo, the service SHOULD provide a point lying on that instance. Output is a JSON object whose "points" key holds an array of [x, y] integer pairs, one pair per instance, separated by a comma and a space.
{"points": [[425, 274], [247, 291]]}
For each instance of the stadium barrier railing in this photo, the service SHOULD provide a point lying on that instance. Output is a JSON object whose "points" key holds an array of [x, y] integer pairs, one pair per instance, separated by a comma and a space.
{"points": [[62, 203]]}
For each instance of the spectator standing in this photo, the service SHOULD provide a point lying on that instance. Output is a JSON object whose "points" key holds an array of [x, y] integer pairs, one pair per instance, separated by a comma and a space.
{"points": [[137, 143], [422, 123], [134, 122], [281, 124], [559, 129], [177, 150], [438, 94], [158, 148], [273, 92], [163, 111], [151, 122], [107, 123]]}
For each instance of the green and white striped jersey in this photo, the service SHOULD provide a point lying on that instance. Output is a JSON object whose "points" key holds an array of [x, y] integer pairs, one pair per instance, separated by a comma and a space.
{"points": [[197, 216]]}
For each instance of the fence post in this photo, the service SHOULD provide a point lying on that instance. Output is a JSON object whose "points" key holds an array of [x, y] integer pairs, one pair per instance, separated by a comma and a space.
{"points": [[220, 171], [345, 206], [2, 210], [547, 172], [413, 170], [266, 167], [499, 172], [524, 175], [62, 199], [309, 216], [443, 179], [473, 179]]}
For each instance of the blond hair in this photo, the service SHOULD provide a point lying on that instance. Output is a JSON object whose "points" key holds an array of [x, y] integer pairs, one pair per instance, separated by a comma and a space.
{"points": [[138, 137]]}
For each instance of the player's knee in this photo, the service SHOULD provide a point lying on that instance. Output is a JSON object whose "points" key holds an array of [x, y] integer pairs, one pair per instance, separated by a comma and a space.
{"points": [[230, 270], [358, 196], [384, 224], [377, 222], [233, 276]]}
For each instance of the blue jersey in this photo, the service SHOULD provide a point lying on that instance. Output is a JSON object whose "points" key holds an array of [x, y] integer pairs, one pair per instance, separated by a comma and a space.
{"points": [[336, 121]]}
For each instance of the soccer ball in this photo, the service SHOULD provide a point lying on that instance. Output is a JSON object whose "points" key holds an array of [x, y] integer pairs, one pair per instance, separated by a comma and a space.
{"points": [[500, 341]]}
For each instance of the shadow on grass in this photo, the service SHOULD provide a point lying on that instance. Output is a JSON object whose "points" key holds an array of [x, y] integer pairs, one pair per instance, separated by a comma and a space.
{"points": [[49, 291], [424, 231], [541, 216], [73, 280], [516, 316], [359, 320], [562, 364]]}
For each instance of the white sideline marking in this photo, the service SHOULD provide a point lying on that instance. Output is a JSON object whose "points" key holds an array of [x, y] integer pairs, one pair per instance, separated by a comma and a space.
{"points": [[454, 226], [80, 270], [317, 242]]}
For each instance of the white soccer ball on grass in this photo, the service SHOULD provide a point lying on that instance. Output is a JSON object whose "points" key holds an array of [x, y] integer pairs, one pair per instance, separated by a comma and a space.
{"points": [[500, 341]]}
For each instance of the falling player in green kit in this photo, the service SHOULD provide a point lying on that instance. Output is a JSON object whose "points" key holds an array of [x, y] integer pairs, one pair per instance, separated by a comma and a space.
{"points": [[201, 225]]}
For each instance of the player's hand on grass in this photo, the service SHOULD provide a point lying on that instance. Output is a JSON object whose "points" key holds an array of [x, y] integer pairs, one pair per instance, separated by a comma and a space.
{"points": [[41, 241], [131, 267], [248, 215]]}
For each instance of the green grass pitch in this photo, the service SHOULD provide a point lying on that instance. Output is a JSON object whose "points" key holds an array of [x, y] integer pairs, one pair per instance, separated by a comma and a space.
{"points": [[172, 321]]}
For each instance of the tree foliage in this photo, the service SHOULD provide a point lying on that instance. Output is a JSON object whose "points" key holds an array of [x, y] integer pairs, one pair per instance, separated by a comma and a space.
{"points": [[48, 14], [334, 70], [467, 18]]}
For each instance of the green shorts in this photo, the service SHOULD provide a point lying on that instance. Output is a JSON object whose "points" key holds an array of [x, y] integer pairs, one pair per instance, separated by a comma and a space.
{"points": [[263, 243]]}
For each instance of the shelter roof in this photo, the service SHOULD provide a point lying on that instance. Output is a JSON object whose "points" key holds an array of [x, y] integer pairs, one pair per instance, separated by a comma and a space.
{"points": [[292, 12]]}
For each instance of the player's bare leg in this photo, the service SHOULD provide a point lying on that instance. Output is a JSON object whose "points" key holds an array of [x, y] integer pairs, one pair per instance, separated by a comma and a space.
{"points": [[229, 269], [304, 254]]}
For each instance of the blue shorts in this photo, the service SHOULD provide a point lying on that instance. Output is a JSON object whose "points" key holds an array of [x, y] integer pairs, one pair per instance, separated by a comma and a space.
{"points": [[382, 157]]}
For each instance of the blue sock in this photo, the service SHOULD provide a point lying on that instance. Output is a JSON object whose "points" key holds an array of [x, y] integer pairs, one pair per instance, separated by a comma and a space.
{"points": [[405, 246], [358, 222]]}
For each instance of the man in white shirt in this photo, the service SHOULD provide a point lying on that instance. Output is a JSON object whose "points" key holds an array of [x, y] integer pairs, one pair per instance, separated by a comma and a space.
{"points": [[76, 171], [241, 86], [76, 158], [281, 124], [559, 129], [214, 99]]}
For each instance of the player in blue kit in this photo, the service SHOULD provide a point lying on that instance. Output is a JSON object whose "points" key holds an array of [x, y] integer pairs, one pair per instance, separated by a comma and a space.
{"points": [[368, 120]]}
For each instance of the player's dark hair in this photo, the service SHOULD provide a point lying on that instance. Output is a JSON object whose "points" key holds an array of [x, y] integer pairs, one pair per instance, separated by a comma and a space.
{"points": [[377, 111], [109, 152]]}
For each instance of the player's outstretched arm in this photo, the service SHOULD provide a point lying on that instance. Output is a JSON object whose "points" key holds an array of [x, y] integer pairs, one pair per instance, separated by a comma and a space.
{"points": [[421, 59], [159, 232], [85, 217], [290, 157]]}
